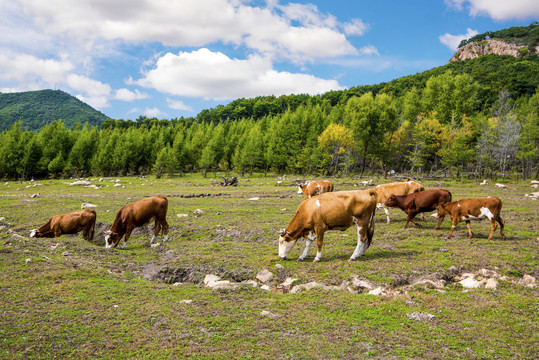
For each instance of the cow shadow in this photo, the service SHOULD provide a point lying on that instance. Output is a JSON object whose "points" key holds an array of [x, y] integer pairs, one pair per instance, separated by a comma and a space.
{"points": [[374, 255]]}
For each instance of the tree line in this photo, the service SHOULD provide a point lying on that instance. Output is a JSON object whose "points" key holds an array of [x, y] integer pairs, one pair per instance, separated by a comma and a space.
{"points": [[441, 129]]}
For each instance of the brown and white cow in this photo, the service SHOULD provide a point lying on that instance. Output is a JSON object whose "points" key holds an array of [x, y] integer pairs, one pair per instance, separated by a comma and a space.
{"points": [[419, 202], [138, 214], [313, 188], [384, 191], [474, 209], [331, 211], [70, 223]]}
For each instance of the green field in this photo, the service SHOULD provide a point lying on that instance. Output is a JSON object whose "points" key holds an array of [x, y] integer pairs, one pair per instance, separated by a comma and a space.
{"points": [[69, 298]]}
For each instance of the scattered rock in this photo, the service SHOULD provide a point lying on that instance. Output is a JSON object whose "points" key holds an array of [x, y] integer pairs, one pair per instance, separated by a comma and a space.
{"points": [[359, 284], [80, 182], [182, 215], [533, 182], [488, 273], [491, 284], [87, 206], [28, 261], [286, 286], [66, 253], [501, 186], [17, 237], [528, 280], [279, 266], [93, 187], [470, 283], [438, 284], [251, 283], [117, 185], [186, 302], [210, 279], [485, 182], [254, 199], [419, 316], [198, 212], [155, 245], [264, 276], [378, 291], [265, 287], [270, 314], [177, 283], [34, 195]]}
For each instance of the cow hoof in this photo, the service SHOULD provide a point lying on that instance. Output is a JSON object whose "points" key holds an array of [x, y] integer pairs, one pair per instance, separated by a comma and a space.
{"points": [[282, 257], [301, 259]]}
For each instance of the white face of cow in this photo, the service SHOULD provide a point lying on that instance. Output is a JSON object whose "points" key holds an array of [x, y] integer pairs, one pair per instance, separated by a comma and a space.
{"points": [[285, 247], [33, 233], [300, 191], [107, 239]]}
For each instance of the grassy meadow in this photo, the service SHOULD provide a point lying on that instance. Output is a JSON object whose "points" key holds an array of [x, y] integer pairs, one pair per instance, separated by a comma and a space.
{"points": [[69, 298]]}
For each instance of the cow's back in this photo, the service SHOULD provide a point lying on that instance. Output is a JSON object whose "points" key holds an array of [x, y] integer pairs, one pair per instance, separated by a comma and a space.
{"points": [[384, 191]]}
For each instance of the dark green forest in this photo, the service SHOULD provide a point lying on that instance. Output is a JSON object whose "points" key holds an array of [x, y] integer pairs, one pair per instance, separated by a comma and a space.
{"points": [[478, 117], [34, 109]]}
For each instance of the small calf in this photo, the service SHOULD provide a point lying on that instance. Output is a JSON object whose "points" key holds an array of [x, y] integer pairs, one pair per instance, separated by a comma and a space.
{"points": [[474, 209], [419, 202]]}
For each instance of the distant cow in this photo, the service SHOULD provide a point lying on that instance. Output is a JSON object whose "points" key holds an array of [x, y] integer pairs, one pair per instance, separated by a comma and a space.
{"points": [[419, 202], [331, 211], [70, 223], [138, 214], [474, 209], [314, 188], [384, 191]]}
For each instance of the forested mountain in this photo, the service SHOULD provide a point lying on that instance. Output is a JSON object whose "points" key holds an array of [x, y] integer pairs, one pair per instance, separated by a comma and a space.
{"points": [[478, 117], [34, 109]]}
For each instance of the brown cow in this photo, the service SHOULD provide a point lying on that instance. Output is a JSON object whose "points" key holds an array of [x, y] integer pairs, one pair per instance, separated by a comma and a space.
{"points": [[138, 214], [313, 188], [474, 209], [70, 223], [331, 211], [419, 202], [384, 191]]}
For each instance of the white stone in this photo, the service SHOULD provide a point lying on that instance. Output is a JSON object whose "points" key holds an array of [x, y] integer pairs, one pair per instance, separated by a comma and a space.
{"points": [[117, 185], [87, 206], [264, 276], [221, 284], [269, 314], [533, 182], [251, 283], [470, 283], [155, 245], [502, 186], [288, 282], [491, 284], [438, 284], [485, 182], [66, 253], [28, 261], [80, 182], [528, 279], [265, 287], [488, 273], [418, 316], [186, 302], [210, 278], [254, 199], [34, 195], [182, 215], [198, 212], [279, 266], [378, 291], [358, 283]]}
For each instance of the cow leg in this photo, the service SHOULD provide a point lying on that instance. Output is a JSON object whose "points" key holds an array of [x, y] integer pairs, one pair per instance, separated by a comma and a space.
{"points": [[502, 223], [469, 227], [411, 216], [156, 230], [362, 242], [453, 226], [440, 219], [308, 241], [387, 213], [319, 244], [127, 235], [164, 226], [493, 226]]}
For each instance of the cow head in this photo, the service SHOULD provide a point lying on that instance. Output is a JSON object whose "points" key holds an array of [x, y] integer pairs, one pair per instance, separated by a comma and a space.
{"points": [[111, 239], [34, 233], [391, 201], [286, 243], [442, 210], [302, 188]]}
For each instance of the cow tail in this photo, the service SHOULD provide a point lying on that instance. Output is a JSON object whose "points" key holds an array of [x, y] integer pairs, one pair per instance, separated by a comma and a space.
{"points": [[370, 230], [92, 228], [372, 192]]}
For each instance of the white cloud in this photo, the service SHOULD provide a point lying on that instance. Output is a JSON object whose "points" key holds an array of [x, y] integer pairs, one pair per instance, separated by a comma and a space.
{"points": [[453, 41], [178, 105], [369, 50], [154, 112], [295, 31], [356, 27], [499, 9], [128, 95], [213, 75]]}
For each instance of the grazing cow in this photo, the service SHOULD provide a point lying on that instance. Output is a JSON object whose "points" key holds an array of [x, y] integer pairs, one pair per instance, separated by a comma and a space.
{"points": [[138, 214], [474, 209], [331, 211], [384, 191], [419, 202], [313, 188], [70, 223]]}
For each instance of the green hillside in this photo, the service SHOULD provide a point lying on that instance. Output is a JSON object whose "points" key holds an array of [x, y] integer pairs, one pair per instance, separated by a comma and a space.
{"points": [[35, 109]]}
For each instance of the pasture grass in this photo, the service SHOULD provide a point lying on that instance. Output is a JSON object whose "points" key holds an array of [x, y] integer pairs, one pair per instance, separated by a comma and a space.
{"points": [[75, 299]]}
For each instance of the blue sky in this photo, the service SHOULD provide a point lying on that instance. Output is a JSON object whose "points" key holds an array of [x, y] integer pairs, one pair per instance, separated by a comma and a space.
{"points": [[173, 58]]}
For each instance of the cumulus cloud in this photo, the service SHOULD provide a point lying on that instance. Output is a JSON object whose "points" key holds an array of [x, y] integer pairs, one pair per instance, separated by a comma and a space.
{"points": [[178, 105], [296, 31], [128, 95], [369, 50], [499, 9], [213, 75], [154, 112], [453, 41]]}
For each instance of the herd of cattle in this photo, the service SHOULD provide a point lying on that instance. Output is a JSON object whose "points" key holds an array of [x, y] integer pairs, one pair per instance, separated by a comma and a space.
{"points": [[322, 210]]}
